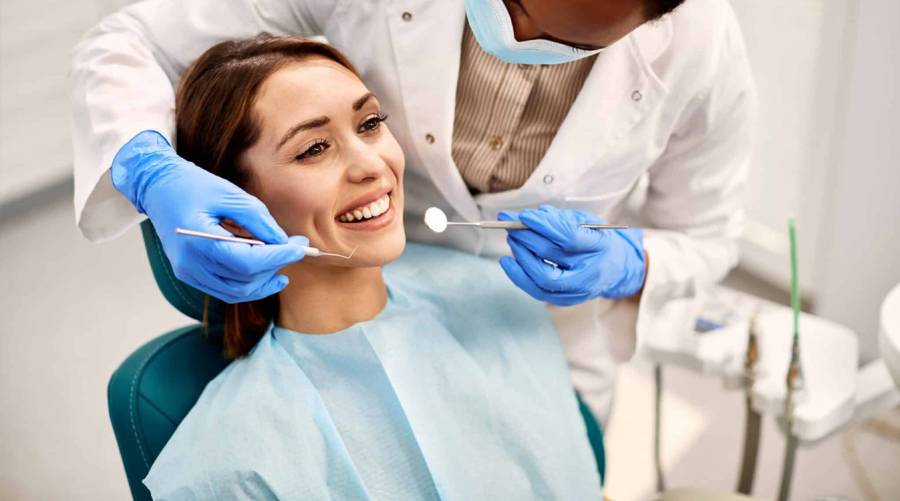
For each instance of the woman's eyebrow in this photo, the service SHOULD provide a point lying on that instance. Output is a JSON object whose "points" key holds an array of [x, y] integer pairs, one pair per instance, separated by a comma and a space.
{"points": [[319, 121], [302, 126], [361, 101]]}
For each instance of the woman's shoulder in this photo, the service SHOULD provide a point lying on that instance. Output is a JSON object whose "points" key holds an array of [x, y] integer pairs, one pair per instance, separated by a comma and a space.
{"points": [[235, 433], [249, 384]]}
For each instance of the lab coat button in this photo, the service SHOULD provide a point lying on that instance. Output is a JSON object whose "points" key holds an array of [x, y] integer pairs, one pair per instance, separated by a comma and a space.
{"points": [[496, 142], [429, 139], [636, 96], [548, 179], [406, 16]]}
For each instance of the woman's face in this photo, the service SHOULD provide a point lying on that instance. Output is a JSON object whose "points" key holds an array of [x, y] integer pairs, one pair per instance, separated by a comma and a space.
{"points": [[326, 165]]}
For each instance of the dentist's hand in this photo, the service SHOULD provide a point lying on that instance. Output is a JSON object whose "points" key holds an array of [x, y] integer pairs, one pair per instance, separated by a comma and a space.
{"points": [[591, 263], [175, 193]]}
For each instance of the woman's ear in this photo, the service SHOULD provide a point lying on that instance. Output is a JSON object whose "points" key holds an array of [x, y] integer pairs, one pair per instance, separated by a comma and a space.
{"points": [[235, 229]]}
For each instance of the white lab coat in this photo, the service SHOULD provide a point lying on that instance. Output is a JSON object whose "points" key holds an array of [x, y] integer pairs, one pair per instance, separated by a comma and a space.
{"points": [[658, 136]]}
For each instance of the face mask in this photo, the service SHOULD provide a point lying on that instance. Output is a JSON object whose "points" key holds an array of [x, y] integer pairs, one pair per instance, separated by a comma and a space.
{"points": [[493, 28]]}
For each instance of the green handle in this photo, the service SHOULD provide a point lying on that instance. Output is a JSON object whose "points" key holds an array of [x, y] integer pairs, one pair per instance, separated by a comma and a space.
{"points": [[795, 286]]}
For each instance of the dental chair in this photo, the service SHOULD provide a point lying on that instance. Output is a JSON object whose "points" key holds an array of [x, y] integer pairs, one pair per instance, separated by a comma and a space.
{"points": [[155, 387]]}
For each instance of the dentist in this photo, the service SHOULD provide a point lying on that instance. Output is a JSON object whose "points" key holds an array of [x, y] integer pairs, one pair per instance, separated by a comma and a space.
{"points": [[636, 111]]}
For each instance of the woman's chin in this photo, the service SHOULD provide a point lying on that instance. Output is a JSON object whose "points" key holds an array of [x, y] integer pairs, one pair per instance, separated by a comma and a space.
{"points": [[388, 249], [378, 251]]}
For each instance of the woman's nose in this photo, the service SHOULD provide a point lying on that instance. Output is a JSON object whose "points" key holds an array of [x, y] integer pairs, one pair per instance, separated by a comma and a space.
{"points": [[365, 163]]}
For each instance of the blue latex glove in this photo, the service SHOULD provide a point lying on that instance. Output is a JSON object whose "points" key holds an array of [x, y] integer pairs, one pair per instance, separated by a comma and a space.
{"points": [[591, 263], [175, 193]]}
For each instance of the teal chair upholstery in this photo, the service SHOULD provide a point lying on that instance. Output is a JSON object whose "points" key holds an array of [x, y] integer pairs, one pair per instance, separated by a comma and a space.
{"points": [[156, 386]]}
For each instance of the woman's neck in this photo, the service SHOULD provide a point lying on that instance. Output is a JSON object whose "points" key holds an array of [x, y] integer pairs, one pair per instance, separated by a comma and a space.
{"points": [[327, 299]]}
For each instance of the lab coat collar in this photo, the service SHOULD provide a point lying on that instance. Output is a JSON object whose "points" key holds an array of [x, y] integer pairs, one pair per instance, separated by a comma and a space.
{"points": [[653, 38]]}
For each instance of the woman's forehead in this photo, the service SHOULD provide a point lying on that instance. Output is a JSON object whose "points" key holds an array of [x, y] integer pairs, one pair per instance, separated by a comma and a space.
{"points": [[303, 90], [311, 80]]}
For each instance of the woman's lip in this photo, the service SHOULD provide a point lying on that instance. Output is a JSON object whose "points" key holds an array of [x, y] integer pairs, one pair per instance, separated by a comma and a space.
{"points": [[364, 200], [375, 223]]}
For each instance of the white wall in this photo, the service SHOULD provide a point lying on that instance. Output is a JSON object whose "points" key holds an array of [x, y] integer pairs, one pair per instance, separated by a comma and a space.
{"points": [[797, 51], [35, 39], [828, 152], [860, 251]]}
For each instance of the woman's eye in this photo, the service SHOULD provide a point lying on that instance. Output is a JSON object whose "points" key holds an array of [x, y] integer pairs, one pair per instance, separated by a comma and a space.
{"points": [[372, 123], [316, 149]]}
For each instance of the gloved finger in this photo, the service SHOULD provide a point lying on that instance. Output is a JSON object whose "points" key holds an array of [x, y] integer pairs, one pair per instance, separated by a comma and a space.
{"points": [[241, 292], [548, 222], [518, 277], [545, 275], [541, 246], [234, 291], [273, 286], [241, 261], [202, 273], [209, 283], [234, 279], [507, 215], [550, 254], [564, 228], [252, 215]]}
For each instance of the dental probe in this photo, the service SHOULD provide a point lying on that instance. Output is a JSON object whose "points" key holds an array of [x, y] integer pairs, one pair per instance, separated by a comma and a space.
{"points": [[309, 251], [437, 222]]}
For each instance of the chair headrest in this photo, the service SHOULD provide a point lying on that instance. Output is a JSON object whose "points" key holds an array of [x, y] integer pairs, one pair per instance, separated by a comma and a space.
{"points": [[182, 296]]}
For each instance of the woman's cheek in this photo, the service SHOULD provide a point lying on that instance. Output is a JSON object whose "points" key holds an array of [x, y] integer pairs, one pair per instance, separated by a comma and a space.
{"points": [[393, 153], [292, 206]]}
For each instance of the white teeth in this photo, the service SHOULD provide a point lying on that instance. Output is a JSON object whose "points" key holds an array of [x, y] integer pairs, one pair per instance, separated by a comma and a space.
{"points": [[371, 210]]}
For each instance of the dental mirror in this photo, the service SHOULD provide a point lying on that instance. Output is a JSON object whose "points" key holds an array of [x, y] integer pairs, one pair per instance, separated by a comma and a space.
{"points": [[436, 220]]}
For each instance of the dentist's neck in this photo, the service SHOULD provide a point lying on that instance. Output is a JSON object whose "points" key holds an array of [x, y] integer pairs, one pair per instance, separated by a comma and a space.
{"points": [[326, 299]]}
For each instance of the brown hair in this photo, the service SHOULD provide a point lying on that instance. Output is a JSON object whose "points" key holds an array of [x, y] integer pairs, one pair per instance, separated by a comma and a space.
{"points": [[215, 125]]}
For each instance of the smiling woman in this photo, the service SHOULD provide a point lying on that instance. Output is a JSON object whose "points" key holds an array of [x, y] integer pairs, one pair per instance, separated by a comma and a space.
{"points": [[256, 112], [435, 378]]}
